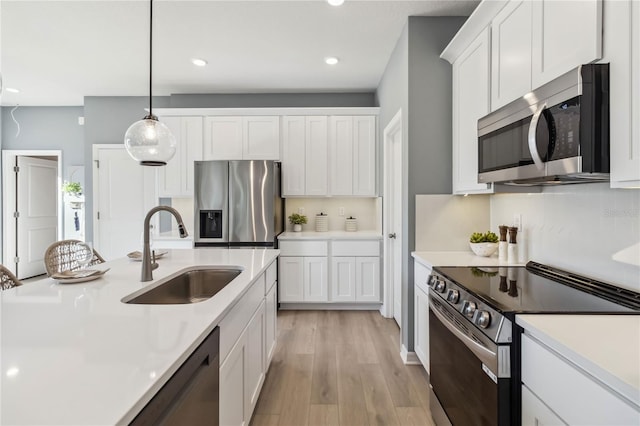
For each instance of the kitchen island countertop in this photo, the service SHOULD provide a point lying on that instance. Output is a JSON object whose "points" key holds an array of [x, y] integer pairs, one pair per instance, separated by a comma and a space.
{"points": [[74, 354]]}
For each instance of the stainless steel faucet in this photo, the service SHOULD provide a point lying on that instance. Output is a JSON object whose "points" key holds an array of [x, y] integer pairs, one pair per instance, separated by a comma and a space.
{"points": [[147, 266]]}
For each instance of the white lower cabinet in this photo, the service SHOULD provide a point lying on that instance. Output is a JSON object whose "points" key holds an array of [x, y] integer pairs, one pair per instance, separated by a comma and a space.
{"points": [[315, 279], [355, 279], [341, 271], [535, 413], [565, 391], [421, 313], [251, 325]]}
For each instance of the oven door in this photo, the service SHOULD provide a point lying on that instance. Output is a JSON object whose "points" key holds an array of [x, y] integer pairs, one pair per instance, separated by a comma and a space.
{"points": [[467, 370]]}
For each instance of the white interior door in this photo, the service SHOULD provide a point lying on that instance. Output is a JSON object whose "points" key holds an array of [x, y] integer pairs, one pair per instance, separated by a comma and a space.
{"points": [[123, 193], [37, 207], [393, 218]]}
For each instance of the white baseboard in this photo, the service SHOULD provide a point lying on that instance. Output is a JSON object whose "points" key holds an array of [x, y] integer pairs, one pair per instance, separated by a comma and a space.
{"points": [[409, 358]]}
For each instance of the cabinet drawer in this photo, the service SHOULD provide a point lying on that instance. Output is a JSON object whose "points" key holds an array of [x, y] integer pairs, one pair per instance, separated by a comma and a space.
{"points": [[570, 392], [271, 276], [303, 248], [238, 317], [355, 248]]}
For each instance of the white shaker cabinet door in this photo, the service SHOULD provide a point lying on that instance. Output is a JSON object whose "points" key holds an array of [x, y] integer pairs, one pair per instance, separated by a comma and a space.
{"points": [[421, 313], [271, 324], [315, 279], [471, 97], [343, 279], [316, 153], [536, 413], [566, 34], [511, 53], [169, 176], [232, 382], [293, 155], [291, 278], [222, 138], [261, 138], [254, 365], [364, 156], [176, 178], [341, 155], [368, 279]]}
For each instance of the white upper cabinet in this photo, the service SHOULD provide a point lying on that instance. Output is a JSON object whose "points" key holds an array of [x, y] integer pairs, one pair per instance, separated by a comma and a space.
{"points": [[565, 34], [176, 178], [293, 155], [471, 93], [364, 154], [222, 138], [242, 138], [341, 154], [622, 50], [261, 138], [533, 42], [511, 53], [316, 141], [352, 155]]}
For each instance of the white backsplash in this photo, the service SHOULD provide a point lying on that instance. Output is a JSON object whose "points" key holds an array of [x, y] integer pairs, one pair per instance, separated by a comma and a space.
{"points": [[445, 222], [367, 211], [589, 229]]}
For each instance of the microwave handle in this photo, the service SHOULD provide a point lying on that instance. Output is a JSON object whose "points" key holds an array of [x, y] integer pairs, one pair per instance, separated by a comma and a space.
{"points": [[533, 148]]}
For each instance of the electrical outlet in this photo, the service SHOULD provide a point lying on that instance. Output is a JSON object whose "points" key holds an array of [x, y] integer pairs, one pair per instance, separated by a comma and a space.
{"points": [[341, 211], [300, 210], [517, 220]]}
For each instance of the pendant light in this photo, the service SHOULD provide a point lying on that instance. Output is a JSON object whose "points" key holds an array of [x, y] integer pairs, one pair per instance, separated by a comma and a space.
{"points": [[149, 141]]}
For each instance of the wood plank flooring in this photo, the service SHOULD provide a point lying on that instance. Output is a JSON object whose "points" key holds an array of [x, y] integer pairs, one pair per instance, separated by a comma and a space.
{"points": [[341, 368]]}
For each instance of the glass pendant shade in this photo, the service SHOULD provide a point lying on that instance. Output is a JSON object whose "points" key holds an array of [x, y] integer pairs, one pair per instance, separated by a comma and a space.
{"points": [[150, 142]]}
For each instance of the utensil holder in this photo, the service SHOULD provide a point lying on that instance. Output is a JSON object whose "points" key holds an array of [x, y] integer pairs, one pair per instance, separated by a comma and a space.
{"points": [[351, 225]]}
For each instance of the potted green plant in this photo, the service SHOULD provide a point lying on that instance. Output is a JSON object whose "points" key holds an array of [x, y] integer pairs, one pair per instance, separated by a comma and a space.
{"points": [[72, 188], [297, 220], [483, 244]]}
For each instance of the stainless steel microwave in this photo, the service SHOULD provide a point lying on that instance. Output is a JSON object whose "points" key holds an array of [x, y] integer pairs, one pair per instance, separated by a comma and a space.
{"points": [[558, 133]]}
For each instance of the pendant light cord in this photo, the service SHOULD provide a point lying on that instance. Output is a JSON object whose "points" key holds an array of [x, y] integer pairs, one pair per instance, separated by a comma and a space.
{"points": [[150, 57]]}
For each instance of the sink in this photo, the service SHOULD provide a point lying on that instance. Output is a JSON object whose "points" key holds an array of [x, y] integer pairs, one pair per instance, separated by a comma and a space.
{"points": [[189, 287]]}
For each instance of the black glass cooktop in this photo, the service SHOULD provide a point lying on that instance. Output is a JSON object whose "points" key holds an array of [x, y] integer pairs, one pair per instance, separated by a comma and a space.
{"points": [[512, 290]]}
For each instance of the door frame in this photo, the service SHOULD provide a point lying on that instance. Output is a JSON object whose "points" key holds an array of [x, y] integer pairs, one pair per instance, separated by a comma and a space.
{"points": [[394, 126], [9, 198]]}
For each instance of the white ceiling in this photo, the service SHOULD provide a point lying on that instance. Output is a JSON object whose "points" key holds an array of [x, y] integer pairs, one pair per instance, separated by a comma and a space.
{"points": [[57, 52]]}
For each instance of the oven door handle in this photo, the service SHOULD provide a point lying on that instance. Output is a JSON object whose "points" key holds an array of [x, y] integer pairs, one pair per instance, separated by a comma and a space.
{"points": [[533, 147], [488, 357]]}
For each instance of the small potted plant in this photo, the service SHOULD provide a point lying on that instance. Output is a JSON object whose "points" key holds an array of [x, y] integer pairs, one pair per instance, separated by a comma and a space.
{"points": [[483, 244], [297, 220], [72, 188]]}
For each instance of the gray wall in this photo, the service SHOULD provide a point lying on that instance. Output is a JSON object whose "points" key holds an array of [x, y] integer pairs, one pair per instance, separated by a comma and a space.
{"points": [[42, 128], [419, 82], [270, 100]]}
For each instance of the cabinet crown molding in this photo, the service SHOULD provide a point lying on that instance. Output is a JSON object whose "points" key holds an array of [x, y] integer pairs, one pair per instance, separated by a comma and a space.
{"points": [[265, 111], [479, 20]]}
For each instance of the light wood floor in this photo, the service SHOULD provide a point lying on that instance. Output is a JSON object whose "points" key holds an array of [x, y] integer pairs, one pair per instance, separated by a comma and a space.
{"points": [[341, 368]]}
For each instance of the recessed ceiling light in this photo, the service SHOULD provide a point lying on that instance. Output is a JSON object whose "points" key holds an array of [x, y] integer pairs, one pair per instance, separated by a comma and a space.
{"points": [[199, 62], [331, 60], [12, 90], [335, 2]]}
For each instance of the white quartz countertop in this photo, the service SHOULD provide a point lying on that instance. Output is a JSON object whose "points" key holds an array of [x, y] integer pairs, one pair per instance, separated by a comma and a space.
{"points": [[74, 354], [606, 346], [330, 235], [431, 259]]}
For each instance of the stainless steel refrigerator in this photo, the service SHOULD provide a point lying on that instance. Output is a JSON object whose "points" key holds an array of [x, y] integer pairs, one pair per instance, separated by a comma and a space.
{"points": [[238, 203]]}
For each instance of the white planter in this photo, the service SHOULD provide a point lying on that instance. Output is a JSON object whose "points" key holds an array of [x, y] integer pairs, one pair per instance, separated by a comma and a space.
{"points": [[297, 227]]}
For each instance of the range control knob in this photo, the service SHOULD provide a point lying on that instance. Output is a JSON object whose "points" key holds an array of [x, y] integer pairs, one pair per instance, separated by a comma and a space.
{"points": [[468, 308], [484, 319], [453, 296], [440, 286], [431, 280]]}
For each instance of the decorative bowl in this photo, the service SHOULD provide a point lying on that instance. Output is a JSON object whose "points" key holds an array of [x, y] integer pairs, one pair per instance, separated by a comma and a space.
{"points": [[483, 249]]}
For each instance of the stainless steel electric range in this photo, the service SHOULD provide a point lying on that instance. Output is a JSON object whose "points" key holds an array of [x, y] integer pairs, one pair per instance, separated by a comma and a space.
{"points": [[474, 342]]}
